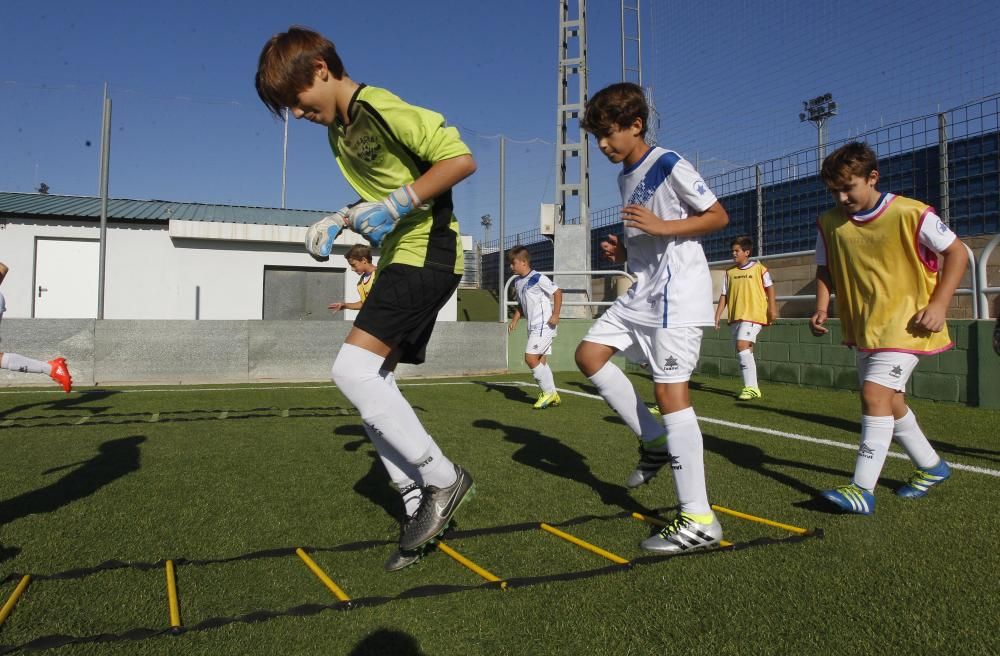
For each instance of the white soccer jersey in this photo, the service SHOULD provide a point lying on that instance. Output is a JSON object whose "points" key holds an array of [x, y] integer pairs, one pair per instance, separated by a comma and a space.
{"points": [[534, 294], [673, 285], [934, 233]]}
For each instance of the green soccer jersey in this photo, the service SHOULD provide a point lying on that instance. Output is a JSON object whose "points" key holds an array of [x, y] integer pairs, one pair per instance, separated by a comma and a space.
{"points": [[390, 143]]}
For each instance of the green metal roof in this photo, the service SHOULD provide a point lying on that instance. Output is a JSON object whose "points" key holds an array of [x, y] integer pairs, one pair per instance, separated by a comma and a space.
{"points": [[14, 204]]}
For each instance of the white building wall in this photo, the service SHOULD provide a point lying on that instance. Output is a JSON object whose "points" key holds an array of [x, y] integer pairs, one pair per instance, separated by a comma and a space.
{"points": [[150, 275]]}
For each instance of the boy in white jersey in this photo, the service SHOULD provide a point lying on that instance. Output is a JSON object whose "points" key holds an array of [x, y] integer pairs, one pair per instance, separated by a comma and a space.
{"points": [[882, 255], [56, 369], [540, 301], [748, 291], [660, 319]]}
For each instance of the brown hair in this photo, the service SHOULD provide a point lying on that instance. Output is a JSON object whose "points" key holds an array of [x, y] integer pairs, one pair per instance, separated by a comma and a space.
{"points": [[615, 105], [743, 242], [856, 158], [359, 252], [287, 66], [519, 253]]}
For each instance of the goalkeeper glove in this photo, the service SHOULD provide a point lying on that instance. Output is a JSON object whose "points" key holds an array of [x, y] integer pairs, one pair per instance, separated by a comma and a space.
{"points": [[321, 235], [376, 220]]}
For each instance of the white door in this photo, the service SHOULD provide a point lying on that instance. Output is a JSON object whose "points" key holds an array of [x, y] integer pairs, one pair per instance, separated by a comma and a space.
{"points": [[66, 278]]}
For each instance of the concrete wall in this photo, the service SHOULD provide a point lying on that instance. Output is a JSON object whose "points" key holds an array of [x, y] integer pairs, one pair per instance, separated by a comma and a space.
{"points": [[181, 352], [153, 276]]}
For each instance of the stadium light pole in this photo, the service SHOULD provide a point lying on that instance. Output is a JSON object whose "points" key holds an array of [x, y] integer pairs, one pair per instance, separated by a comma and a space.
{"points": [[818, 111], [284, 160]]}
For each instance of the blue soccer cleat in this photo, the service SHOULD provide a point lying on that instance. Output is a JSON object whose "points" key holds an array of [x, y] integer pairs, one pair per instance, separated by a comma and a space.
{"points": [[851, 498], [924, 479]]}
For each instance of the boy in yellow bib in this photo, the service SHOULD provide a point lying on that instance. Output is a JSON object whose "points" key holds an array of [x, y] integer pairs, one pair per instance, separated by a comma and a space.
{"points": [[748, 293], [894, 266]]}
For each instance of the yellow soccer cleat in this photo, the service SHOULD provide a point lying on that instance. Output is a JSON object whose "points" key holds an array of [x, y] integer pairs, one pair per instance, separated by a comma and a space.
{"points": [[546, 400], [748, 393]]}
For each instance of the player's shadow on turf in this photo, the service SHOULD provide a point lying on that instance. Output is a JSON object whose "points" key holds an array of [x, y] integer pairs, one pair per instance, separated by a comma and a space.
{"points": [[516, 393], [387, 641], [756, 459], [114, 459], [62, 403], [851, 426], [702, 387], [372, 485], [553, 457], [973, 452]]}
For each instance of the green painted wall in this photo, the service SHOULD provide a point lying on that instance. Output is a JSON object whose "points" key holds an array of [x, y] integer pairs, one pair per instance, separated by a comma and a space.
{"points": [[787, 352]]}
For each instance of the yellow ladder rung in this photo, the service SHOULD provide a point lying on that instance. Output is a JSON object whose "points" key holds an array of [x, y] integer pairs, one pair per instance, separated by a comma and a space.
{"points": [[583, 545], [321, 575]]}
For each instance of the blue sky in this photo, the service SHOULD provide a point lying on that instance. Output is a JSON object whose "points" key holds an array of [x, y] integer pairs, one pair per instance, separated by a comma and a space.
{"points": [[187, 125]]}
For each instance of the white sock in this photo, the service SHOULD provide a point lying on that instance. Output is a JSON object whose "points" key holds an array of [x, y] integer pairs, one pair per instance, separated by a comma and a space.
{"points": [[356, 374], [876, 434], [686, 447], [543, 376], [907, 432], [15, 362], [749, 367], [616, 389]]}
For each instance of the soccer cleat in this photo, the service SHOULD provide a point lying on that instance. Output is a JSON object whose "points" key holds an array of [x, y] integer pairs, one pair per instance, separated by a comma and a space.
{"points": [[684, 534], [402, 559], [60, 374], [924, 479], [650, 463], [436, 510], [547, 399], [851, 498], [748, 393]]}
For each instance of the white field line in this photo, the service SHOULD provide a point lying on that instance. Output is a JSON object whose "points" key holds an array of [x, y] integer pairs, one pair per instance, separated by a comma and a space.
{"points": [[515, 383], [791, 436]]}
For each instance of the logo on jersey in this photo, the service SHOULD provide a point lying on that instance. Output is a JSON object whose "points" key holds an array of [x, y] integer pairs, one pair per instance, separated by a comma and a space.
{"points": [[674, 464], [700, 187], [942, 228], [670, 364], [367, 148], [896, 372], [866, 452]]}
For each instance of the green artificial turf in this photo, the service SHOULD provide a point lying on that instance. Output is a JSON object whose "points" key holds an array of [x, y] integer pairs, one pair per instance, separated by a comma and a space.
{"points": [[98, 489]]}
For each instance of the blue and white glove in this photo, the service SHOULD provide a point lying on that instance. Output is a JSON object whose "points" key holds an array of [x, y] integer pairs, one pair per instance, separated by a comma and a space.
{"points": [[374, 221], [321, 235]]}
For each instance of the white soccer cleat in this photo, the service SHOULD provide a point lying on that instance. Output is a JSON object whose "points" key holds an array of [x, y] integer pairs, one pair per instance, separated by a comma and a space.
{"points": [[684, 534]]}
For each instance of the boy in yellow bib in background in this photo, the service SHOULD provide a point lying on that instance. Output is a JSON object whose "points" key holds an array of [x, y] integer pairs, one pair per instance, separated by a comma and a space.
{"points": [[748, 293], [894, 266]]}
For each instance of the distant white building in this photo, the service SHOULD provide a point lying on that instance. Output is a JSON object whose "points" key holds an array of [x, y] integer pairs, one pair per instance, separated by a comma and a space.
{"points": [[169, 260]]}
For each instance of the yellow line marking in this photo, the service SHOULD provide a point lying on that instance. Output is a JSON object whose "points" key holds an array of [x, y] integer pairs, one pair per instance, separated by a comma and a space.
{"points": [[656, 521], [175, 613], [760, 520], [321, 575], [584, 545], [471, 565], [8, 607]]}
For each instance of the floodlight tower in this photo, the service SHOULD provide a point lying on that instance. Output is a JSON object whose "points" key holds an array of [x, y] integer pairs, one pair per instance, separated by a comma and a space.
{"points": [[571, 248], [818, 111], [631, 41]]}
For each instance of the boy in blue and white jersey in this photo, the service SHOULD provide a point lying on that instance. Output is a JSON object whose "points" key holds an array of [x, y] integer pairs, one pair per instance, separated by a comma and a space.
{"points": [[660, 319], [540, 300]]}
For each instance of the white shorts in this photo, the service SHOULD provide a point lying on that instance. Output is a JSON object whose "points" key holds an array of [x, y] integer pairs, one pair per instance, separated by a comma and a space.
{"points": [[745, 331], [671, 354], [887, 368], [540, 341]]}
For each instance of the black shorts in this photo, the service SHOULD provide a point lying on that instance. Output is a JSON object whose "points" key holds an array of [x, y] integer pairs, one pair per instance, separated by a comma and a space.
{"points": [[402, 307]]}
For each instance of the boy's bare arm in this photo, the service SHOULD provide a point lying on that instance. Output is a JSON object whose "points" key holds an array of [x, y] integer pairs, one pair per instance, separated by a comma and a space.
{"points": [[772, 304], [556, 307], [823, 287], [514, 319], [442, 176], [719, 309], [933, 317], [712, 219]]}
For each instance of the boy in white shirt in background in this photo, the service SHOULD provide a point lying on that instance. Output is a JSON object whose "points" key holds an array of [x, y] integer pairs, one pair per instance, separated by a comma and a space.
{"points": [[540, 301]]}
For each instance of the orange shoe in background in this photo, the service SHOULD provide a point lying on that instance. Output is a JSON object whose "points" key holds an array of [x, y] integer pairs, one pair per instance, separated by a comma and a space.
{"points": [[60, 373]]}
